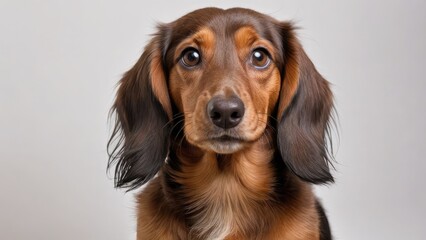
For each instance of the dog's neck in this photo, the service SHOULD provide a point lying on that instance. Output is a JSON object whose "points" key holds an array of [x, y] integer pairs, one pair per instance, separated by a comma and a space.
{"points": [[218, 192], [250, 171], [223, 194]]}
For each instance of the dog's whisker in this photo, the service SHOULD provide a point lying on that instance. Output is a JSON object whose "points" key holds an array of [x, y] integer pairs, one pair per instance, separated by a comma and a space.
{"points": [[269, 125], [268, 115], [182, 130], [184, 136], [173, 120], [176, 124], [183, 126]]}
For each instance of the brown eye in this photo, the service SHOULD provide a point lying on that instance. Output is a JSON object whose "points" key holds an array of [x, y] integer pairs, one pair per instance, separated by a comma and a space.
{"points": [[190, 57], [260, 58]]}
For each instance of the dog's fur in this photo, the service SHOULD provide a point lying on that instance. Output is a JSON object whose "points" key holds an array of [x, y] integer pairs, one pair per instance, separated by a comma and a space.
{"points": [[212, 181]]}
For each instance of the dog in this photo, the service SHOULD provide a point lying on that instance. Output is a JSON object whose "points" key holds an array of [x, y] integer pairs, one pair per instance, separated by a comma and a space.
{"points": [[225, 120]]}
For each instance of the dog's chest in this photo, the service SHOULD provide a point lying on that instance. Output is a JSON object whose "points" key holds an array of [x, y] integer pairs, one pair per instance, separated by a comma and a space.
{"points": [[219, 210]]}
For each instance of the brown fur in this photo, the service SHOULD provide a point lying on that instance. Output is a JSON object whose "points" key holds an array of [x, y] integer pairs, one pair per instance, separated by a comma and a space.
{"points": [[255, 187]]}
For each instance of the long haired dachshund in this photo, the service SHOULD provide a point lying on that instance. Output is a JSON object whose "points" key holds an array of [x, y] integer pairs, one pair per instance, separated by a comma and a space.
{"points": [[226, 119]]}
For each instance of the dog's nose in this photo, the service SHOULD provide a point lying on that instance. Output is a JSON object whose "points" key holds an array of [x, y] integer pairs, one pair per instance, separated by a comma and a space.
{"points": [[225, 112]]}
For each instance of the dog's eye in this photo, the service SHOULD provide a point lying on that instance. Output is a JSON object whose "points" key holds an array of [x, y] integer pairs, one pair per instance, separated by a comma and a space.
{"points": [[190, 57], [260, 58]]}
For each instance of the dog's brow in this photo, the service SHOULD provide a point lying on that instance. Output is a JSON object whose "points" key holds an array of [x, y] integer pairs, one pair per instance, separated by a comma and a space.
{"points": [[204, 37], [245, 36]]}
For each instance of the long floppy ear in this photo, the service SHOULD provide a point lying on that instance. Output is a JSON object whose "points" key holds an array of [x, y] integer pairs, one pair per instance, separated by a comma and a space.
{"points": [[140, 140], [304, 112]]}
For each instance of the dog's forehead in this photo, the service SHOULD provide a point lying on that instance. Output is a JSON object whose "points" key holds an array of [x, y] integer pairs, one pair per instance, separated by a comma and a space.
{"points": [[225, 23], [223, 26]]}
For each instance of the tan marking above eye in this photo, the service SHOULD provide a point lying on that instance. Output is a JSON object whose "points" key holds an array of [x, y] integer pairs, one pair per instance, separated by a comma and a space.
{"points": [[254, 49], [202, 42], [245, 37]]}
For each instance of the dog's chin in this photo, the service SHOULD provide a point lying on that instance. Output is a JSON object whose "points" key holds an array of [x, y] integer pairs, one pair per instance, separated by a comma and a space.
{"points": [[225, 146], [222, 145]]}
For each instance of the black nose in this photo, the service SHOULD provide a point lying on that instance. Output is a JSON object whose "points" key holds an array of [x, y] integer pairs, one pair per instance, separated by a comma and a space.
{"points": [[225, 112]]}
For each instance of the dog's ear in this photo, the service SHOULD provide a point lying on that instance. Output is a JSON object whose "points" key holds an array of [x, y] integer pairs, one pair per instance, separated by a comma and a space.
{"points": [[140, 139], [304, 110]]}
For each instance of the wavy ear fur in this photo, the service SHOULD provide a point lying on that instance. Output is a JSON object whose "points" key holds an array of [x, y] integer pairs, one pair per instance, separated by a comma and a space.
{"points": [[304, 112], [140, 140]]}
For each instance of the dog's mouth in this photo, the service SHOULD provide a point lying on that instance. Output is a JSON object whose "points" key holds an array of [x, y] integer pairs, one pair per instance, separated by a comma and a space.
{"points": [[226, 139], [226, 144]]}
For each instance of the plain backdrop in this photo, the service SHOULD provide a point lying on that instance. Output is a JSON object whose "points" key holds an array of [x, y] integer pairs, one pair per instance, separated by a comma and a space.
{"points": [[60, 62]]}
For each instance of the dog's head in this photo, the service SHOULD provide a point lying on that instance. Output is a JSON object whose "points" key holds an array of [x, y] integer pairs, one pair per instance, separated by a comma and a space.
{"points": [[225, 76]]}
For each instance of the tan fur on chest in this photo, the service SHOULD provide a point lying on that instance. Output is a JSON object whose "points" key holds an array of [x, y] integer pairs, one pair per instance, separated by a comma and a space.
{"points": [[222, 205], [223, 199]]}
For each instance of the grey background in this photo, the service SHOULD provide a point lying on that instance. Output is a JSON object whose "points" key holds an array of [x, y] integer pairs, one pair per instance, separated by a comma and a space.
{"points": [[60, 61]]}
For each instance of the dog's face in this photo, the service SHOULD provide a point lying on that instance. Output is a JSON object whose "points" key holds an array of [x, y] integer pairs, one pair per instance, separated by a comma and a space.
{"points": [[226, 85], [226, 76]]}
